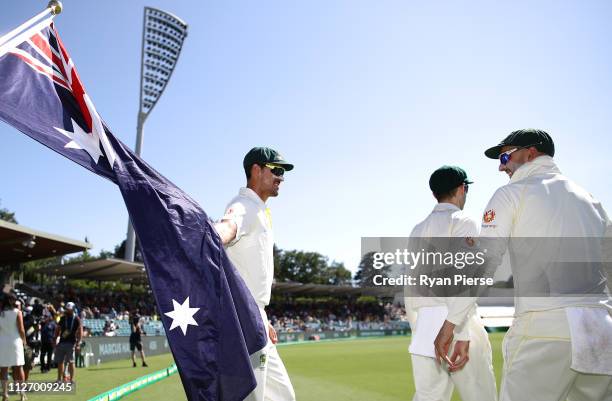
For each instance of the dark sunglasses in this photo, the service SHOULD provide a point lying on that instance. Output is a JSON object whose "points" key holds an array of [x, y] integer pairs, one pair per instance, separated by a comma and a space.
{"points": [[504, 158], [466, 187], [276, 170]]}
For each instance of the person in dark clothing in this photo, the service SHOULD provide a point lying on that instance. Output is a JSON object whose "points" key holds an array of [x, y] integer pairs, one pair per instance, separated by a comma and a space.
{"points": [[70, 332], [31, 349], [47, 334], [37, 310], [136, 339]]}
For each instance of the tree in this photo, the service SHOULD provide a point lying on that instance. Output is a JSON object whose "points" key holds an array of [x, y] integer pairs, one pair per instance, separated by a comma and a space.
{"points": [[120, 251], [366, 271], [337, 274], [84, 256], [6, 215], [308, 267], [106, 254], [276, 252]]}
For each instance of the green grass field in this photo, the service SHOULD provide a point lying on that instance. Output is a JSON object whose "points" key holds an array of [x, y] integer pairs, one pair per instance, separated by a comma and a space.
{"points": [[364, 369]]}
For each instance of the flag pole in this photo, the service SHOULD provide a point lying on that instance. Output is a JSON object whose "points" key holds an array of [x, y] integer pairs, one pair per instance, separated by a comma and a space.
{"points": [[54, 7]]}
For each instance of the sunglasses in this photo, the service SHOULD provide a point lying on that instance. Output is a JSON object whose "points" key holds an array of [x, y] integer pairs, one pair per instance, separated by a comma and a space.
{"points": [[276, 170], [504, 158], [466, 187]]}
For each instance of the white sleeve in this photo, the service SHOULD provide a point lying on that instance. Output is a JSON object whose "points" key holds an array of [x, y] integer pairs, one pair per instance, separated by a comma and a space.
{"points": [[497, 227], [459, 309], [495, 231], [462, 331], [237, 213], [468, 227], [411, 312]]}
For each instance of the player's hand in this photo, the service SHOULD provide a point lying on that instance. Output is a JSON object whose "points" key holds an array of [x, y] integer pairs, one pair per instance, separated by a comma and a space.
{"points": [[443, 341], [227, 230], [460, 356], [272, 334]]}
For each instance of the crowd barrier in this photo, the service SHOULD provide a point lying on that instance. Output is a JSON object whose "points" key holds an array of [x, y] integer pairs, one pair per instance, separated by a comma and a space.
{"points": [[104, 349], [331, 335]]}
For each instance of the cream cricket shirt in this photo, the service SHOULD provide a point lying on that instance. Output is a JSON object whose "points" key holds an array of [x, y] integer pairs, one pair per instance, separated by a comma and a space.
{"points": [[446, 220], [540, 202], [252, 249]]}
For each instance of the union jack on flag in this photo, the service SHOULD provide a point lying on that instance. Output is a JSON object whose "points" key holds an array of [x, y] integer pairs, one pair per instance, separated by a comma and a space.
{"points": [[195, 286], [47, 55], [44, 53]]}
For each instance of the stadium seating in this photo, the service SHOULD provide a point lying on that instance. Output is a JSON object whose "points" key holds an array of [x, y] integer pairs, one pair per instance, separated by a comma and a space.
{"points": [[96, 327]]}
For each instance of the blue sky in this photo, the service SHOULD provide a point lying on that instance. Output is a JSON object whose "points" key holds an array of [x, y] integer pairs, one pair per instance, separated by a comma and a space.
{"points": [[366, 98]]}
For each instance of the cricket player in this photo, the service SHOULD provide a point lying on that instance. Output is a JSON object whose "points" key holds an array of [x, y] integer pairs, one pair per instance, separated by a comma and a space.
{"points": [[471, 369], [559, 347], [246, 231]]}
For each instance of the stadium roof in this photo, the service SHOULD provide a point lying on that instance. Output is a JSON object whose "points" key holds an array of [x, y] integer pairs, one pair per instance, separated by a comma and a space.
{"points": [[20, 244], [107, 269], [293, 288], [118, 269]]}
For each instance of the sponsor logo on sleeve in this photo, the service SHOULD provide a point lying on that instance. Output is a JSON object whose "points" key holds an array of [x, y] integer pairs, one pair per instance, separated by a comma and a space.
{"points": [[489, 216]]}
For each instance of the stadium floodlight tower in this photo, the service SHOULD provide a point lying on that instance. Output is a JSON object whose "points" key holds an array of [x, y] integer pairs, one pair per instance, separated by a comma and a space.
{"points": [[162, 40]]}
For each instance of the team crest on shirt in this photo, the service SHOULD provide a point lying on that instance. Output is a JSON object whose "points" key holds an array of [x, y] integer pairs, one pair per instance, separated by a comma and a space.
{"points": [[489, 216]]}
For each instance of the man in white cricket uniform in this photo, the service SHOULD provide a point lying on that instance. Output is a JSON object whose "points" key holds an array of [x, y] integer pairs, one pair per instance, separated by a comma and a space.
{"points": [[472, 369], [559, 347], [246, 231]]}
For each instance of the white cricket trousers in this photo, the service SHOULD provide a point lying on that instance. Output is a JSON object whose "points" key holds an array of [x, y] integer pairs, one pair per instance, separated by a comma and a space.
{"points": [[537, 358], [273, 382], [475, 382]]}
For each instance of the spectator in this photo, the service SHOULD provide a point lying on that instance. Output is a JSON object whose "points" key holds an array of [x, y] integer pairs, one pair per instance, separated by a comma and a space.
{"points": [[12, 339], [50, 311], [46, 337], [70, 332], [31, 348], [79, 355], [37, 309], [110, 328]]}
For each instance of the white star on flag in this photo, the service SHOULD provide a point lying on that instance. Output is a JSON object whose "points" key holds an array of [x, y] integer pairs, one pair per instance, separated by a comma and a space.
{"points": [[90, 142], [182, 315], [82, 140]]}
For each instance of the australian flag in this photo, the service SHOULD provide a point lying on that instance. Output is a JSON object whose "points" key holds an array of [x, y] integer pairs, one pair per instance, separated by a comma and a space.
{"points": [[211, 320]]}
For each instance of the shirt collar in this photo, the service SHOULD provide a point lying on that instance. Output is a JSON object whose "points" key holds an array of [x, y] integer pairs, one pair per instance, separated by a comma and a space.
{"points": [[249, 193], [441, 207], [540, 165]]}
